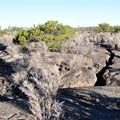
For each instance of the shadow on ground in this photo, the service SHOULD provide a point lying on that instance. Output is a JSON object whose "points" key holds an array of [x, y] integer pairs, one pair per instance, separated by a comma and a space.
{"points": [[84, 104], [5, 69], [12, 94]]}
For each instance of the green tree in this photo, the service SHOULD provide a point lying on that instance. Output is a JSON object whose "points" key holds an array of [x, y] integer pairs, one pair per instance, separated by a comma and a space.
{"points": [[52, 33], [104, 27], [116, 29]]}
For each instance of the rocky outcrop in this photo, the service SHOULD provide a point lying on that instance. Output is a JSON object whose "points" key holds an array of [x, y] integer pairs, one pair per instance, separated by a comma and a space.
{"points": [[111, 75], [100, 75], [75, 70], [79, 70], [100, 59]]}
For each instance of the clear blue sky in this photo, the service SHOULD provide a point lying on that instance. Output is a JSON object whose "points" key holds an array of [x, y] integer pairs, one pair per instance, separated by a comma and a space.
{"points": [[71, 12]]}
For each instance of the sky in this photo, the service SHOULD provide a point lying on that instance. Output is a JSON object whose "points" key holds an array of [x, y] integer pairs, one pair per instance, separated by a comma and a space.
{"points": [[82, 13]]}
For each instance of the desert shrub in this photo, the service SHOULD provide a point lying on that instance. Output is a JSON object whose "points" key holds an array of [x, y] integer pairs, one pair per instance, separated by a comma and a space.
{"points": [[14, 28], [116, 29], [52, 33], [41, 92], [39, 81], [6, 39], [4, 32], [79, 44], [104, 27], [55, 46]]}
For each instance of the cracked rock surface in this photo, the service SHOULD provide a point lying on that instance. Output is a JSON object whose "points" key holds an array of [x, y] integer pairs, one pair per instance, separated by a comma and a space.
{"points": [[89, 86]]}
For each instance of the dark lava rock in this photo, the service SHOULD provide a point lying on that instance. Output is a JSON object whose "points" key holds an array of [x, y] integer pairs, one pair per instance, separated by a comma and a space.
{"points": [[90, 103]]}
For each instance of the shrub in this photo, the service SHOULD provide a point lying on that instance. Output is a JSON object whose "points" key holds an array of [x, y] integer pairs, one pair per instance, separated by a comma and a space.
{"points": [[116, 29], [14, 28], [4, 32], [55, 46], [104, 27], [41, 94], [51, 32], [39, 81], [79, 44]]}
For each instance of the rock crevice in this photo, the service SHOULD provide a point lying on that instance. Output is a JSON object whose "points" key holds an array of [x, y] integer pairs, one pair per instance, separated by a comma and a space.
{"points": [[101, 81]]}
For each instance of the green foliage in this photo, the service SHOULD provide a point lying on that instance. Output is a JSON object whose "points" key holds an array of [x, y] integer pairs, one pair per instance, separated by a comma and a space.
{"points": [[52, 33], [9, 30], [116, 29], [55, 46], [4, 32], [21, 37], [14, 28], [104, 27]]}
